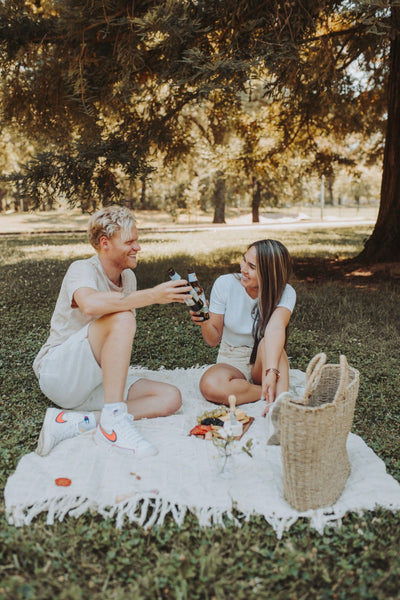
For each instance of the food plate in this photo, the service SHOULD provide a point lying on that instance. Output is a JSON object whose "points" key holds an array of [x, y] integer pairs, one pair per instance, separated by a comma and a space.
{"points": [[245, 428], [209, 431]]}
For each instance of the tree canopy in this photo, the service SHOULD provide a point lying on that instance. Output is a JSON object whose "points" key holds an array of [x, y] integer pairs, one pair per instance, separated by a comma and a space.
{"points": [[100, 86]]}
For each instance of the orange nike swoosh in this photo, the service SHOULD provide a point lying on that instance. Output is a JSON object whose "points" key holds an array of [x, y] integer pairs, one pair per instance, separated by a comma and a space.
{"points": [[112, 437], [59, 417]]}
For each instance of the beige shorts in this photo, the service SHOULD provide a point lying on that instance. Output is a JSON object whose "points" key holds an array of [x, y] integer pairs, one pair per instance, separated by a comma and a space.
{"points": [[237, 356], [71, 377]]}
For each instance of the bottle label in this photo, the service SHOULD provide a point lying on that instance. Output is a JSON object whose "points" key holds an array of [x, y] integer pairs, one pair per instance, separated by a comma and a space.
{"points": [[194, 282], [196, 302]]}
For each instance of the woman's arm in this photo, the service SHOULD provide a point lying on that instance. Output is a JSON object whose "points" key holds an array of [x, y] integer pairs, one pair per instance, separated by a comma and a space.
{"points": [[212, 329], [275, 336], [272, 352]]}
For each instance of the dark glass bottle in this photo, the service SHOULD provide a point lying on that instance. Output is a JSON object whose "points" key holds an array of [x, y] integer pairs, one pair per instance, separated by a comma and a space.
{"points": [[194, 282], [194, 303]]}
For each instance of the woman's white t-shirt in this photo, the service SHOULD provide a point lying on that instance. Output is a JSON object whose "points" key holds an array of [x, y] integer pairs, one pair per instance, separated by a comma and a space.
{"points": [[229, 298]]}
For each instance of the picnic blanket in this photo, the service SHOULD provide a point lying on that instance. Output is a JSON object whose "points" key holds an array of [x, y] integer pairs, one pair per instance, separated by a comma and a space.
{"points": [[185, 475]]}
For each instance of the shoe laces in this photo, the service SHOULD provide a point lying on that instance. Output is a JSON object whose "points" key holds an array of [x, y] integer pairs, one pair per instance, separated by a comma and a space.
{"points": [[125, 423]]}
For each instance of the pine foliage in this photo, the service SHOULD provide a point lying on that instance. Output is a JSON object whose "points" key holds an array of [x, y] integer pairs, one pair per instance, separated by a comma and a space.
{"points": [[100, 85]]}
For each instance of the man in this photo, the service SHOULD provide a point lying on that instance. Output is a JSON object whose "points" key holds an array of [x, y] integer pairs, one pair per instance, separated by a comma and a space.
{"points": [[83, 366]]}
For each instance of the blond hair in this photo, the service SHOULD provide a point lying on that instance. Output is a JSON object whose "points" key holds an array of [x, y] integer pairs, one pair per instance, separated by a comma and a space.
{"points": [[108, 221]]}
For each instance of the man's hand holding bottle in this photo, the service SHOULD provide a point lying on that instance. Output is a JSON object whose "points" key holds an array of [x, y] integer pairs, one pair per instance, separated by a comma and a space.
{"points": [[173, 291], [197, 302]]}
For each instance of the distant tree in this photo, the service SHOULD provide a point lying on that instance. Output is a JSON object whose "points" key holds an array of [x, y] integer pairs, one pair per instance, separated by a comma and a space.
{"points": [[343, 77], [98, 84], [13, 148], [276, 171], [213, 126]]}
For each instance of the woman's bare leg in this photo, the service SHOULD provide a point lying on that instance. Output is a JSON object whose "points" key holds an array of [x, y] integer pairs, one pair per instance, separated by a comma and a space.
{"points": [[221, 380], [259, 367]]}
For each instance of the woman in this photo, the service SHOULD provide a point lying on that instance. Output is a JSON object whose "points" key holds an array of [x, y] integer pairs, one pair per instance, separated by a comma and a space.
{"points": [[249, 315]]}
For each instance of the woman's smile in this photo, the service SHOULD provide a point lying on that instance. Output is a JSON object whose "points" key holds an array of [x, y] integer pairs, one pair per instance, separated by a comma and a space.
{"points": [[248, 269]]}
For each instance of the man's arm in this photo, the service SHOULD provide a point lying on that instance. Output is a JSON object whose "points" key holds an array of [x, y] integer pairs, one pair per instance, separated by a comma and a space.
{"points": [[94, 303]]}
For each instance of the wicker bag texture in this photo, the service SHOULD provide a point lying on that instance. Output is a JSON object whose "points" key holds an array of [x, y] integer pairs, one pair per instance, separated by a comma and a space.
{"points": [[313, 434]]}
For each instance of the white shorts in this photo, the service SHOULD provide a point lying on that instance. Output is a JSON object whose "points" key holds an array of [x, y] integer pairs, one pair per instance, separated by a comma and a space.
{"points": [[236, 356], [71, 377]]}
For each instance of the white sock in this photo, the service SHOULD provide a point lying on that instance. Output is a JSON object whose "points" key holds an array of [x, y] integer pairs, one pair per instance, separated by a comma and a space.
{"points": [[113, 408], [88, 422]]}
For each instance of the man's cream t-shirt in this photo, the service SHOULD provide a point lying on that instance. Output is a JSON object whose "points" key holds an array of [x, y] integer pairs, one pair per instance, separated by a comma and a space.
{"points": [[67, 319]]}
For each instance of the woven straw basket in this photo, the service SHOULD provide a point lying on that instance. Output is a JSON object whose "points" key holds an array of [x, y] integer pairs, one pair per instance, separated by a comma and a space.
{"points": [[314, 431]]}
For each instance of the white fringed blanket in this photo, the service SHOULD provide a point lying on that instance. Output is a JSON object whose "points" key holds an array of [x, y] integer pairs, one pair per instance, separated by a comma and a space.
{"points": [[184, 475]]}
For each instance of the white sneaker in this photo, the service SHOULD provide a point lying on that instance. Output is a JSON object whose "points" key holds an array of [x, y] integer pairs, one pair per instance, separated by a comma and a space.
{"points": [[59, 425], [116, 428]]}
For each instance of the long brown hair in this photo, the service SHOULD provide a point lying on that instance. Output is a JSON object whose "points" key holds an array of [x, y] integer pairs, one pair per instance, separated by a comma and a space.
{"points": [[273, 271]]}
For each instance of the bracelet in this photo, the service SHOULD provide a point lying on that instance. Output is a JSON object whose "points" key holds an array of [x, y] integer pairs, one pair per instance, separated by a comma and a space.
{"points": [[277, 373]]}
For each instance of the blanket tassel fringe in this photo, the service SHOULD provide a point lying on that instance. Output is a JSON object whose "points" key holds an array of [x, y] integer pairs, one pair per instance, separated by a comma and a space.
{"points": [[144, 510]]}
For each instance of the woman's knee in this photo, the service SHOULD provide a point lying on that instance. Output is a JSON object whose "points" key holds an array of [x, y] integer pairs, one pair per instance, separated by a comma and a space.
{"points": [[284, 366], [284, 361], [212, 387]]}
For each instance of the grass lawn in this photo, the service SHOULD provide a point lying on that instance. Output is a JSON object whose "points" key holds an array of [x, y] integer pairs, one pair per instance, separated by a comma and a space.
{"points": [[339, 310]]}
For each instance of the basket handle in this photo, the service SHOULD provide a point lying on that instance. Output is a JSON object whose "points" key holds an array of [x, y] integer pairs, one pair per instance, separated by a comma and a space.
{"points": [[344, 379], [313, 373]]}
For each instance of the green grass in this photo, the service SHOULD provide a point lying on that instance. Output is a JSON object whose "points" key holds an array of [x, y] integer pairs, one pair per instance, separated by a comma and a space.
{"points": [[336, 312]]}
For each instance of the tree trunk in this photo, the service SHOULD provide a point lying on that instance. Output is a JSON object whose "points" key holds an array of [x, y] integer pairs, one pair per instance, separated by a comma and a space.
{"points": [[384, 242], [256, 200], [330, 182], [219, 199], [143, 193]]}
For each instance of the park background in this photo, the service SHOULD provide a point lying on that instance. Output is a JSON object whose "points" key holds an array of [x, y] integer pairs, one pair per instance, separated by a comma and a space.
{"points": [[218, 123]]}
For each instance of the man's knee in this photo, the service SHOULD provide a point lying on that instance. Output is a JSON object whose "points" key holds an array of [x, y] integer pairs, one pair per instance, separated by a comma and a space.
{"points": [[124, 319], [172, 400], [123, 322]]}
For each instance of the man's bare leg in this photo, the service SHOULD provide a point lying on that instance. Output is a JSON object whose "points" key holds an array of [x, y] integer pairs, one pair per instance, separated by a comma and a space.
{"points": [[148, 399], [111, 339]]}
